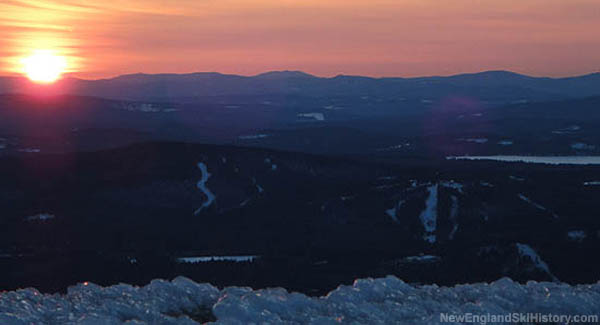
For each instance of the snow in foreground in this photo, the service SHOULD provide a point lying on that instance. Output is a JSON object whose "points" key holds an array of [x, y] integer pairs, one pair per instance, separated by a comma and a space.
{"points": [[367, 301]]}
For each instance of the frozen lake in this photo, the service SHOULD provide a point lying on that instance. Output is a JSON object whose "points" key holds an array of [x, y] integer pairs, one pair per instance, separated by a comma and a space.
{"points": [[200, 259], [552, 160]]}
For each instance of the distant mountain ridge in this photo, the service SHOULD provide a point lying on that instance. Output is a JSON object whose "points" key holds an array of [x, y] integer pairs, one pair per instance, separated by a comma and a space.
{"points": [[281, 74], [493, 86]]}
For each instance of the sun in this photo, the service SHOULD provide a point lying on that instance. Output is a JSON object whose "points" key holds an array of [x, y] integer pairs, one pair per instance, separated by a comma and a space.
{"points": [[44, 66]]}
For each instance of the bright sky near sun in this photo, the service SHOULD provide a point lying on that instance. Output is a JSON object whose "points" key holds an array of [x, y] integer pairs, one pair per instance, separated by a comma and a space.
{"points": [[104, 38]]}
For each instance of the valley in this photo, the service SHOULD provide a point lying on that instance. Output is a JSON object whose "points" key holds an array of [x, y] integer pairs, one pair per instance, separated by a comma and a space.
{"points": [[142, 208]]}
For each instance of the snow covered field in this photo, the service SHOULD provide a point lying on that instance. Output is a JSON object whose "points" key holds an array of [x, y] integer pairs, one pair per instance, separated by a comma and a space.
{"points": [[367, 301]]}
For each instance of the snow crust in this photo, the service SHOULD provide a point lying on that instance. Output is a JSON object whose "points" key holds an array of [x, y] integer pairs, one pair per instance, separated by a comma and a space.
{"points": [[368, 301]]}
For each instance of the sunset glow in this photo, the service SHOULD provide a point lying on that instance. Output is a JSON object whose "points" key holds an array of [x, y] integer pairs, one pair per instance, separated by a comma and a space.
{"points": [[43, 66], [375, 38]]}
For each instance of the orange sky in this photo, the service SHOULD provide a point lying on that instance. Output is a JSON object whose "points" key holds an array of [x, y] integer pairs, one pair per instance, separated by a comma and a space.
{"points": [[323, 37]]}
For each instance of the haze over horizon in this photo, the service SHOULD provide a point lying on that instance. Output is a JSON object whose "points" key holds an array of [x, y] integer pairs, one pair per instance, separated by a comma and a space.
{"points": [[380, 38], [73, 76]]}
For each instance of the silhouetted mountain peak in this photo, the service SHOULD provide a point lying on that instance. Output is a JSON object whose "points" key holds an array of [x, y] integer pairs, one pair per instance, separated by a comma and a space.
{"points": [[285, 74], [167, 76], [498, 75], [353, 77], [495, 86], [587, 77]]}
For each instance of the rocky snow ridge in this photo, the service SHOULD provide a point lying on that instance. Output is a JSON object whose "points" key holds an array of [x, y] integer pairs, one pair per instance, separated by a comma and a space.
{"points": [[367, 301]]}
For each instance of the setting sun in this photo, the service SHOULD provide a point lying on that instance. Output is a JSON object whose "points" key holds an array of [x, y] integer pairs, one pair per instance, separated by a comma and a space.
{"points": [[44, 66]]}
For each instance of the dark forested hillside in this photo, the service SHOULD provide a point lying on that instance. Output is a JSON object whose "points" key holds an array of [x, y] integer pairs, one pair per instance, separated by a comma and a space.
{"points": [[137, 209]]}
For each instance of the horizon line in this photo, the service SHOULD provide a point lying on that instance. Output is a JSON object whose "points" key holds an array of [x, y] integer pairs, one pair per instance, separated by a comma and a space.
{"points": [[68, 75]]}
